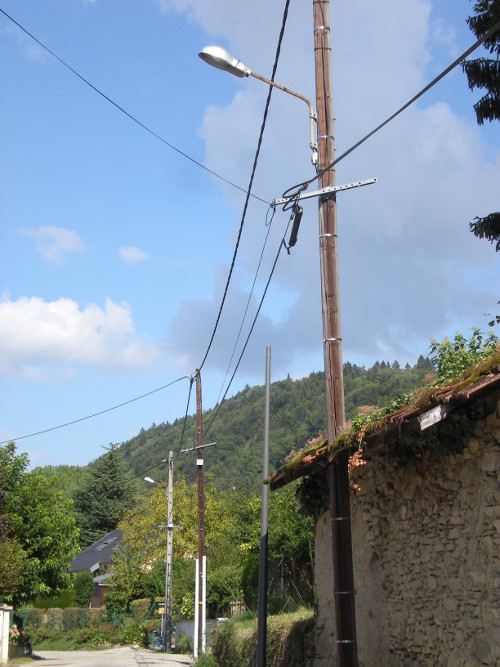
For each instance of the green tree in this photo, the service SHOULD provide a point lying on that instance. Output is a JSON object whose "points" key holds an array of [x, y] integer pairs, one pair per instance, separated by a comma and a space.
{"points": [[40, 523], [103, 496], [47, 532], [12, 556], [484, 73], [84, 588], [232, 539]]}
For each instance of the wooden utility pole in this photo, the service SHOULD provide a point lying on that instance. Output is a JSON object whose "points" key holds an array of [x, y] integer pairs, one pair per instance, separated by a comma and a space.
{"points": [[332, 341], [201, 514], [330, 297]]}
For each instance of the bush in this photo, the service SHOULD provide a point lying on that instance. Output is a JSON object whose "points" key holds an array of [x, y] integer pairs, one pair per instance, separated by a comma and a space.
{"points": [[183, 644], [136, 634], [452, 358], [43, 633], [83, 636], [116, 604], [223, 586], [72, 618], [84, 589], [116, 601], [140, 608], [100, 638], [65, 598], [250, 581], [187, 607]]}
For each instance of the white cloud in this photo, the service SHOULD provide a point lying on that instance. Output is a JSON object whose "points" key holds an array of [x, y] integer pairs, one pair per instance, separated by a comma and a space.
{"points": [[39, 338], [55, 243], [133, 255]]}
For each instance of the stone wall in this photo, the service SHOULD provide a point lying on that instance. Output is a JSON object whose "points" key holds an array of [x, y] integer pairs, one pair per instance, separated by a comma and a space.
{"points": [[426, 553]]}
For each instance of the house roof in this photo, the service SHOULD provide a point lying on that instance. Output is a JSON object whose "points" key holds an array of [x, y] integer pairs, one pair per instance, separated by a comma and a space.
{"points": [[98, 554], [429, 406]]}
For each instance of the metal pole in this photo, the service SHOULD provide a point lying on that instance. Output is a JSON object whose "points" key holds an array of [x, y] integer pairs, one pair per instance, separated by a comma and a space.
{"points": [[201, 511], [332, 337], [167, 640], [196, 609], [264, 525]]}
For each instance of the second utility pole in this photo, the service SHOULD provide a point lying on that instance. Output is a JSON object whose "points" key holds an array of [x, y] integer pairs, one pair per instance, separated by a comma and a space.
{"points": [[345, 634], [201, 517]]}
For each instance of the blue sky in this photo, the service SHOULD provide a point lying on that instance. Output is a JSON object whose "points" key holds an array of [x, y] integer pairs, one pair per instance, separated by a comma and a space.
{"points": [[115, 248]]}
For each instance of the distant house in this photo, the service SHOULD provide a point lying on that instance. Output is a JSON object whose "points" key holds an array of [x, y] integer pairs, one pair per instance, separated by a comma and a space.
{"points": [[421, 493], [96, 559]]}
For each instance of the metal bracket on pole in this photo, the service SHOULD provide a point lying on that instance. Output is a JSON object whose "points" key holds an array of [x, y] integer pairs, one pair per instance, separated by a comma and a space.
{"points": [[193, 449], [324, 191]]}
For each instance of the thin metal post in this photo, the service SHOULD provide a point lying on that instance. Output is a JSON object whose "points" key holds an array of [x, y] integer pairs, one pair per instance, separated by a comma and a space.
{"points": [[264, 525], [167, 639], [201, 512]]}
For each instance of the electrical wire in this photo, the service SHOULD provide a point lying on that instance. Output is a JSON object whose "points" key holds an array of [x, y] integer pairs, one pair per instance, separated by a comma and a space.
{"points": [[302, 186], [129, 115], [268, 225], [95, 414], [157, 465], [281, 246], [248, 194], [296, 189], [254, 169], [191, 380]]}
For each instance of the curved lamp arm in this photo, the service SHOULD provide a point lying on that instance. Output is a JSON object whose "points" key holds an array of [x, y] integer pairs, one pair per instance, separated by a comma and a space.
{"points": [[222, 59]]}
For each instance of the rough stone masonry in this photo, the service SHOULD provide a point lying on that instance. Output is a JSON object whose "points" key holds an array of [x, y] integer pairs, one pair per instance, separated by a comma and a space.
{"points": [[426, 552]]}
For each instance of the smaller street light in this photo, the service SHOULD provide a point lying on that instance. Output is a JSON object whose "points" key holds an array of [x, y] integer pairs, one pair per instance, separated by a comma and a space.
{"points": [[222, 59]]}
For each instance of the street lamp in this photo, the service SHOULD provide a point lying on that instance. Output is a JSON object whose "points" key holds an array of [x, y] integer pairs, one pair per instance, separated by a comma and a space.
{"points": [[222, 59], [167, 615], [324, 156]]}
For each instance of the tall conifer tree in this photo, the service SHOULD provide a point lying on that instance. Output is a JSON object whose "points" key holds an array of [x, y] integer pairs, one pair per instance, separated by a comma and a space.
{"points": [[484, 73], [105, 493]]}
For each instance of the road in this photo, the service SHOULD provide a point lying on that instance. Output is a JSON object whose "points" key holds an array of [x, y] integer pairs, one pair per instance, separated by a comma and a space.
{"points": [[115, 657]]}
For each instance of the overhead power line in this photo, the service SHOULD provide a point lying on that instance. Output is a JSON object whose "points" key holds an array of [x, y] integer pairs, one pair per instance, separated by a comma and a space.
{"points": [[268, 225], [281, 246], [254, 169], [302, 186], [95, 414], [124, 111], [191, 380], [248, 193]]}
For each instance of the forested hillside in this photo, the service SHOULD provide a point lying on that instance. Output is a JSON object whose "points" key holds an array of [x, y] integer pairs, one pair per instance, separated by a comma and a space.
{"points": [[298, 413]]}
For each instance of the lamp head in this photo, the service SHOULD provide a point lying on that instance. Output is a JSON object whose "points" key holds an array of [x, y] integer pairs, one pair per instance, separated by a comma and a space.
{"points": [[222, 59], [148, 479]]}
